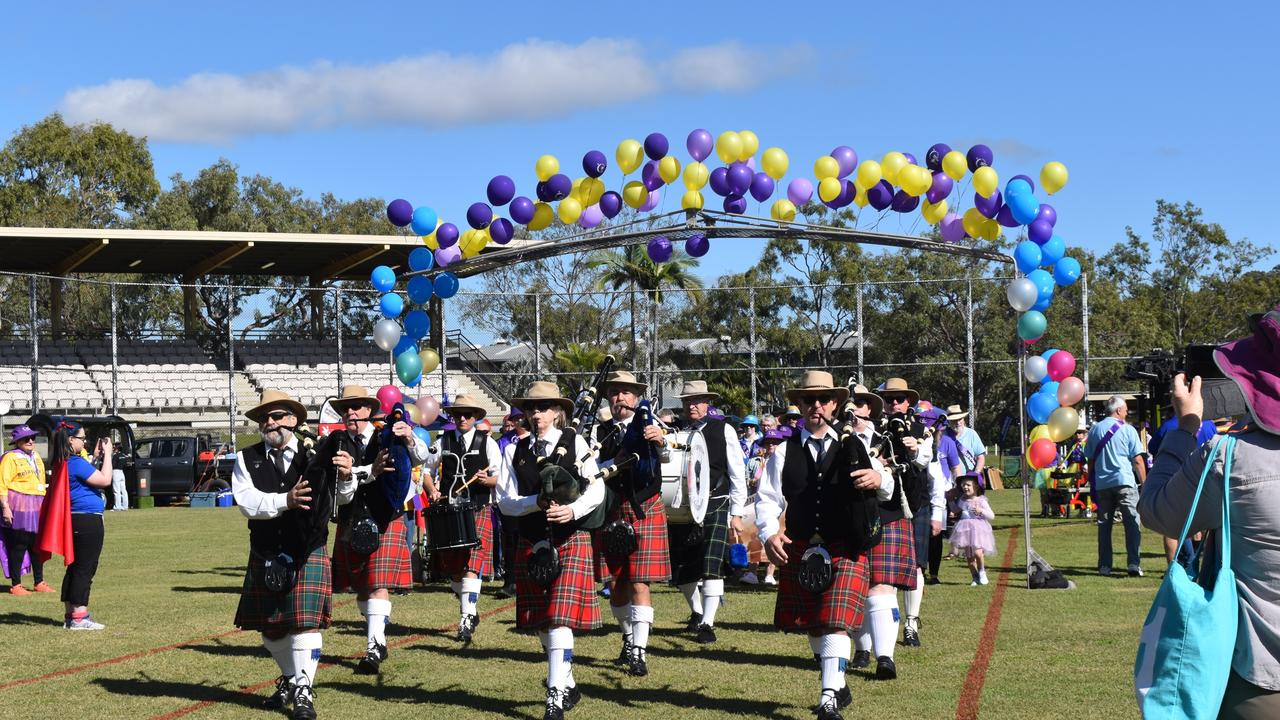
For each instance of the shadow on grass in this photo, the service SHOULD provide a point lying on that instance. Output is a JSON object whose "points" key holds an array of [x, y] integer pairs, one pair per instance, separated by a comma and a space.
{"points": [[146, 686], [450, 695], [737, 655], [15, 618], [222, 650], [226, 571], [477, 653], [212, 589]]}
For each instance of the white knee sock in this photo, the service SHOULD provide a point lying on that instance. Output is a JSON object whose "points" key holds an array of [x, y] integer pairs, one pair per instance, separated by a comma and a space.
{"points": [[379, 614], [641, 622], [469, 595], [912, 598], [863, 637], [622, 613], [306, 655], [282, 650], [712, 591], [833, 657], [882, 611], [559, 657], [693, 595]]}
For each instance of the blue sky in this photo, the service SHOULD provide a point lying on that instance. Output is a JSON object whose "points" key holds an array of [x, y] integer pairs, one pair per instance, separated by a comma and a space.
{"points": [[427, 101]]}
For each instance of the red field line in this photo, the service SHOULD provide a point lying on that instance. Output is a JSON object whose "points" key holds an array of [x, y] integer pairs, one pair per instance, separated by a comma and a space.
{"points": [[971, 697], [195, 707]]}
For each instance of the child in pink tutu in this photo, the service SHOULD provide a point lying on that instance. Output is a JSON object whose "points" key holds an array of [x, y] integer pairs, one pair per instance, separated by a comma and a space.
{"points": [[972, 536]]}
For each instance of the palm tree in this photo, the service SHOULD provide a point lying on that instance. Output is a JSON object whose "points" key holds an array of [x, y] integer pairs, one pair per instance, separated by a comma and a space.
{"points": [[576, 364]]}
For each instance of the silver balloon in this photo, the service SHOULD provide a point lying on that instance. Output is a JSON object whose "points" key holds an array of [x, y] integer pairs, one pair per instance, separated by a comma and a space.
{"points": [[386, 334], [1036, 368], [1022, 294]]}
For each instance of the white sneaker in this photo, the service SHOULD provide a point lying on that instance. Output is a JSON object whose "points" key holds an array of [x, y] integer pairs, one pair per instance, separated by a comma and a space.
{"points": [[770, 580], [748, 578], [973, 584], [85, 623], [982, 578]]}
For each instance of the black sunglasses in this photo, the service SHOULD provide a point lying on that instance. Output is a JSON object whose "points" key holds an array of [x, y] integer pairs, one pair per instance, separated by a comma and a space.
{"points": [[859, 402], [819, 399], [279, 415], [897, 399]]}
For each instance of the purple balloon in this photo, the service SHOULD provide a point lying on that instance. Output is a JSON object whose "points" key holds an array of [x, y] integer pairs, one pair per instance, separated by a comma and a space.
{"points": [[501, 231], [952, 228], [880, 195], [656, 146], [479, 215], [979, 156], [1039, 232], [500, 191], [933, 157], [799, 191], [591, 217], [699, 144], [761, 187], [446, 256], [735, 204], [846, 158], [910, 158], [697, 245], [1005, 217], [1030, 182], [594, 163], [1048, 214], [740, 177], [559, 186], [522, 210], [941, 187], [543, 191], [447, 235], [989, 207], [660, 249], [720, 181], [400, 212], [611, 204], [652, 201], [843, 198], [904, 203], [650, 177]]}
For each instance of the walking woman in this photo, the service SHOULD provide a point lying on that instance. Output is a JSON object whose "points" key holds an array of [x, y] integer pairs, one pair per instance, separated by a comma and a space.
{"points": [[21, 495]]}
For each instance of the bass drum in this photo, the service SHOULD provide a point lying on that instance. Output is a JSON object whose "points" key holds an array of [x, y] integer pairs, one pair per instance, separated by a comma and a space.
{"points": [[673, 494], [697, 476]]}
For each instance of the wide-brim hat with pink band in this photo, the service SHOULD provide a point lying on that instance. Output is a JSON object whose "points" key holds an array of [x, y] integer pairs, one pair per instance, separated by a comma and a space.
{"points": [[1254, 364]]}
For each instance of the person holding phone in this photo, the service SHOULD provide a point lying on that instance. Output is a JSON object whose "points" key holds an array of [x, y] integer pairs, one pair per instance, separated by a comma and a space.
{"points": [[85, 483]]}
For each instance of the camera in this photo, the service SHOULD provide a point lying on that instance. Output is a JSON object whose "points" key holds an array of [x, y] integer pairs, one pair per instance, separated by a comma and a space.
{"points": [[1221, 396]]}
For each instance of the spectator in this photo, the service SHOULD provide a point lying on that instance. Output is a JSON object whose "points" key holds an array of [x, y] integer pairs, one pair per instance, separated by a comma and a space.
{"points": [[21, 495], [1254, 364], [120, 499], [973, 454], [972, 537], [1116, 466], [85, 485], [749, 436], [767, 422]]}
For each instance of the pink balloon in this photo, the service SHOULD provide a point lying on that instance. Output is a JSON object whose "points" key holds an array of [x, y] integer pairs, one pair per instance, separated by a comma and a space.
{"points": [[389, 395], [428, 409], [1061, 365], [1070, 389]]}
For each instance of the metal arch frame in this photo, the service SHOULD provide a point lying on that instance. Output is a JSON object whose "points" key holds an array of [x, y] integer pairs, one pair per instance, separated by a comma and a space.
{"points": [[683, 224]]}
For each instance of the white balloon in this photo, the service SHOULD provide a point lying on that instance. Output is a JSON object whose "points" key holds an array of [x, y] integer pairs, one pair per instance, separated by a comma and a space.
{"points": [[386, 334], [1036, 368], [1022, 294]]}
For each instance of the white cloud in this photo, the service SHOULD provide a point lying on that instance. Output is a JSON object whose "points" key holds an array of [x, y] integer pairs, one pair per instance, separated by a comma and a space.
{"points": [[529, 80]]}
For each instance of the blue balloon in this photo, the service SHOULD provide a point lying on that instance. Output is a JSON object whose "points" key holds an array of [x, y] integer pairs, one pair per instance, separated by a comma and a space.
{"points": [[420, 289], [424, 221], [1042, 305], [1043, 281], [1040, 406], [1052, 251], [409, 367], [1048, 354], [1018, 186], [447, 285], [414, 382], [1049, 387], [406, 344], [1025, 208], [417, 324], [421, 259], [392, 305], [422, 434], [1066, 271], [383, 278], [1027, 256]]}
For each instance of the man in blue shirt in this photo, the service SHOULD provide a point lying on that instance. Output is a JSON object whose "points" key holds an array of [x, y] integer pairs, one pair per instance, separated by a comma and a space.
{"points": [[1115, 469]]}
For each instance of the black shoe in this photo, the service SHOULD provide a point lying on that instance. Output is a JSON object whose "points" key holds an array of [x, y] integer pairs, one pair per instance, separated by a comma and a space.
{"points": [[372, 660], [932, 580], [844, 697], [624, 656], [694, 622], [638, 666], [911, 632], [829, 710], [706, 634], [885, 668], [506, 592], [571, 698], [282, 696], [303, 703], [861, 659], [555, 711], [467, 627]]}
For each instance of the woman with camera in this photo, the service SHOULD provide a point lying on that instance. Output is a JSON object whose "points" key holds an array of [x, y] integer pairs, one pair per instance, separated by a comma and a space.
{"points": [[84, 484]]}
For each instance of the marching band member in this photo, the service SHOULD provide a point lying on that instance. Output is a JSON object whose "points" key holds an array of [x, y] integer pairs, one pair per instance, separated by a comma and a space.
{"points": [[830, 511], [479, 457], [555, 589]]}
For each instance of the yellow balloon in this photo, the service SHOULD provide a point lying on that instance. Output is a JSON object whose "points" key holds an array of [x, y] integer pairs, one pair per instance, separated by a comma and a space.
{"points": [[569, 211], [669, 169], [1053, 176], [692, 200], [412, 411], [868, 175], [1063, 423], [933, 214], [991, 229], [985, 181], [954, 165], [431, 242], [891, 164], [546, 166], [860, 198], [542, 217], [430, 360], [696, 175], [915, 180], [577, 192], [630, 154], [1039, 432], [635, 193], [729, 146], [972, 222], [829, 189], [750, 144], [783, 211], [775, 162], [826, 167]]}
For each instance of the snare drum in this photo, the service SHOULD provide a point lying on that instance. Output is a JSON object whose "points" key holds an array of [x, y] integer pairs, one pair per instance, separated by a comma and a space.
{"points": [[451, 526]]}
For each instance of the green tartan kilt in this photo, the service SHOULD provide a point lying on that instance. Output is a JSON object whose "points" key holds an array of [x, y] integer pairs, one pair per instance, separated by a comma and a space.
{"points": [[308, 606]]}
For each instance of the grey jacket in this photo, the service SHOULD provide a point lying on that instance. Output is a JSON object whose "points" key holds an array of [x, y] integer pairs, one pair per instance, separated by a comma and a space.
{"points": [[1255, 531]]}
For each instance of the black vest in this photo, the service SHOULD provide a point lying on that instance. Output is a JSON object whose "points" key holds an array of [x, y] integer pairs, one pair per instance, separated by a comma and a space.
{"points": [[911, 480], [370, 500], [471, 464], [717, 456], [822, 500], [628, 480], [296, 532], [534, 526]]}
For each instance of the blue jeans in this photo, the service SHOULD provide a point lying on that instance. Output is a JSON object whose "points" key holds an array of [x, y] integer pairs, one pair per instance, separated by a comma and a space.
{"points": [[1125, 500]]}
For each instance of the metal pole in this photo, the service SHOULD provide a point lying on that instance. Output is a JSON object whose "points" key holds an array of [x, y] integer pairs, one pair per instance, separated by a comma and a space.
{"points": [[444, 359], [537, 334], [968, 350], [751, 340], [231, 369], [115, 354], [35, 350], [1084, 330], [653, 336], [337, 322], [1022, 459], [862, 378]]}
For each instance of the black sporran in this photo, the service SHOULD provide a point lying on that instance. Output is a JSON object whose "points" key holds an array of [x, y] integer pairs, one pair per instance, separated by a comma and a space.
{"points": [[620, 540], [695, 536], [279, 573], [363, 537], [816, 571], [544, 563]]}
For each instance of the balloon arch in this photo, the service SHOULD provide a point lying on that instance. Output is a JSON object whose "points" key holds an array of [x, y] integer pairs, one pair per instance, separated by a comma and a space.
{"points": [[897, 183]]}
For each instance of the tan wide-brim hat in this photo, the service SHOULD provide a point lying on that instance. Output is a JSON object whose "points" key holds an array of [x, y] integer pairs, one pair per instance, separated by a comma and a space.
{"points": [[625, 379], [697, 389], [542, 390], [898, 385], [860, 392], [276, 399], [467, 403], [355, 396], [955, 412], [792, 411], [814, 382]]}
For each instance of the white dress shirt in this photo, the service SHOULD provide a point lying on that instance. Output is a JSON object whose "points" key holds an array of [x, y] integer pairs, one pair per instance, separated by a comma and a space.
{"points": [[737, 463], [254, 503], [511, 502], [435, 455]]}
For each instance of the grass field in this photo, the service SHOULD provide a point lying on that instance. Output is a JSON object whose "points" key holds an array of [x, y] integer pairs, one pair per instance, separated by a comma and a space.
{"points": [[169, 581]]}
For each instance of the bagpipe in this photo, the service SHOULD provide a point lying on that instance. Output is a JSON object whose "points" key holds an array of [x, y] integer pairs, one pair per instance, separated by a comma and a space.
{"points": [[588, 402]]}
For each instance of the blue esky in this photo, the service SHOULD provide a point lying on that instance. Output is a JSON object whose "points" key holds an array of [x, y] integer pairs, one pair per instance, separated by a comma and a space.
{"points": [[427, 101]]}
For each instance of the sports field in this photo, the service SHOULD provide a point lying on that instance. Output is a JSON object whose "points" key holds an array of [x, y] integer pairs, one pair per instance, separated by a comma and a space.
{"points": [[169, 582]]}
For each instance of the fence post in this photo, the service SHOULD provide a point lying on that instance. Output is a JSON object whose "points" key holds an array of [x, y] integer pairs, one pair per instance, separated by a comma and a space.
{"points": [[1084, 328], [35, 350], [537, 334], [444, 359], [231, 369], [751, 339], [862, 378], [337, 322], [115, 357], [653, 336]]}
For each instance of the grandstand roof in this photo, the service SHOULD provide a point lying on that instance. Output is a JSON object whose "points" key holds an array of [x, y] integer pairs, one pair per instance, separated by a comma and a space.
{"points": [[59, 251]]}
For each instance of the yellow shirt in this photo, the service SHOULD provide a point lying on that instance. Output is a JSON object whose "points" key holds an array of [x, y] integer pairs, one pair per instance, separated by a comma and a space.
{"points": [[17, 474]]}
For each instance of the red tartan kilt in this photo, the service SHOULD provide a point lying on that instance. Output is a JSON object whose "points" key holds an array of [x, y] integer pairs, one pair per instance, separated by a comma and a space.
{"points": [[478, 559], [839, 608], [389, 567], [893, 560], [308, 606], [571, 599], [651, 562]]}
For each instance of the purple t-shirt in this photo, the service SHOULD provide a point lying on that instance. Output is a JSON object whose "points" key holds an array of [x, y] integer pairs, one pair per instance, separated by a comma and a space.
{"points": [[948, 455]]}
